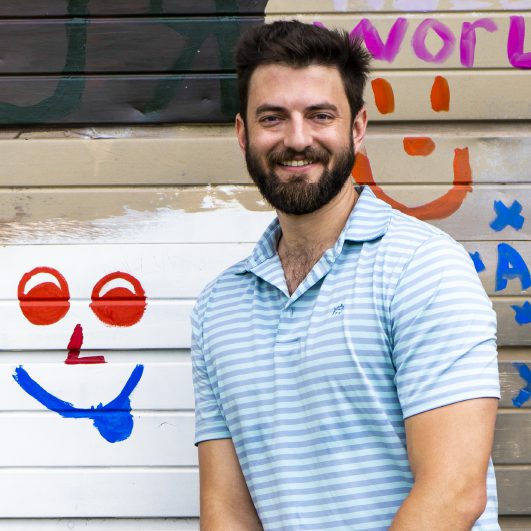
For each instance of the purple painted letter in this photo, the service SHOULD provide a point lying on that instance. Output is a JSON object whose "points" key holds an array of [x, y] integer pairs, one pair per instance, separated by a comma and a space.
{"points": [[468, 38], [419, 41], [515, 44], [373, 42]]}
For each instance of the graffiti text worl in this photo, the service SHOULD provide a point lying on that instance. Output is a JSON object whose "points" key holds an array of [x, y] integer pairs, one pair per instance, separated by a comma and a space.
{"points": [[467, 40]]}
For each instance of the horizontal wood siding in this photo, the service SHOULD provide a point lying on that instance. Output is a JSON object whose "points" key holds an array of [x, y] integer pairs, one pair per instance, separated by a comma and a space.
{"points": [[127, 163]]}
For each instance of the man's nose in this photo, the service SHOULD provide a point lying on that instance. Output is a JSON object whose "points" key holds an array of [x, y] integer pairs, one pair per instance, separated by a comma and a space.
{"points": [[298, 134]]}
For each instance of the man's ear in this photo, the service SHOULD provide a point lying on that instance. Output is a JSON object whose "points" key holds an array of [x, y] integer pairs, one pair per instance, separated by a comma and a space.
{"points": [[358, 128], [240, 132]]}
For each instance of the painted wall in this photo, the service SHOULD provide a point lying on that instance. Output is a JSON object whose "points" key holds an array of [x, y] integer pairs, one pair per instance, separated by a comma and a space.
{"points": [[109, 229]]}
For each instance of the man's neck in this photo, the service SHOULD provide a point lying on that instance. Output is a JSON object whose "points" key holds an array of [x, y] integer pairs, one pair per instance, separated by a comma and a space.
{"points": [[318, 230], [305, 238]]}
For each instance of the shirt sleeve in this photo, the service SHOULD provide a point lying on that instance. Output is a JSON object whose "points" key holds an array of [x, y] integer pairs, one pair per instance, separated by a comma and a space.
{"points": [[209, 420], [443, 330]]}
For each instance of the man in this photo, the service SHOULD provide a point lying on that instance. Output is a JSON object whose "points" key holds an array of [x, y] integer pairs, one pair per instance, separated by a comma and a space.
{"points": [[345, 373]]}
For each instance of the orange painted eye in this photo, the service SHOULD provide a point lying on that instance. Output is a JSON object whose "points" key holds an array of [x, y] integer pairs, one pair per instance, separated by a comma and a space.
{"points": [[46, 303], [119, 306], [440, 94], [384, 97]]}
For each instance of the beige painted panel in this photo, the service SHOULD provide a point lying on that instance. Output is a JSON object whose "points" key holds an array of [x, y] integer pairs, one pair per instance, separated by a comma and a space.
{"points": [[476, 95], [210, 214], [512, 440], [490, 50], [471, 222], [365, 6], [494, 157], [509, 331], [498, 153], [514, 523], [514, 486], [488, 252], [511, 383]]}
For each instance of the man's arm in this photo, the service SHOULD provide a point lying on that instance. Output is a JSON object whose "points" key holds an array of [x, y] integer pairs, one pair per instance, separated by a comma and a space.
{"points": [[448, 450], [225, 502]]}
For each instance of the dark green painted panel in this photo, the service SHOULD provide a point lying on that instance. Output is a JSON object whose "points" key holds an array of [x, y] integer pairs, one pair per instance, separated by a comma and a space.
{"points": [[118, 99], [37, 8], [203, 44]]}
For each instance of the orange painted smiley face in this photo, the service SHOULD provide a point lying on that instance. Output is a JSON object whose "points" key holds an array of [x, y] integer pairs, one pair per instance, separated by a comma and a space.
{"points": [[445, 205]]}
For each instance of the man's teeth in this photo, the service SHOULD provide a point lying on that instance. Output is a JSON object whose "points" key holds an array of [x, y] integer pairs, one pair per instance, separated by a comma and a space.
{"points": [[295, 162]]}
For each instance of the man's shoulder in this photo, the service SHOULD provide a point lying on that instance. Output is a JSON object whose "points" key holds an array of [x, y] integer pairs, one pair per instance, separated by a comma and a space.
{"points": [[408, 234]]}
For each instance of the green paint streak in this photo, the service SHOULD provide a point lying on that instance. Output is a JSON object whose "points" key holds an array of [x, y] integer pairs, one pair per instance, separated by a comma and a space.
{"points": [[69, 90], [156, 6], [227, 32]]}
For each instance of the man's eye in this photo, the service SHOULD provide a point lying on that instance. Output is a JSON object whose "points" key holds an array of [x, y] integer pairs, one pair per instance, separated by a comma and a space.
{"points": [[322, 117], [269, 120]]}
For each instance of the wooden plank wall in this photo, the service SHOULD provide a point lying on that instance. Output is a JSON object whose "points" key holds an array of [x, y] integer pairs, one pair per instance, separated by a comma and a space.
{"points": [[126, 183]]}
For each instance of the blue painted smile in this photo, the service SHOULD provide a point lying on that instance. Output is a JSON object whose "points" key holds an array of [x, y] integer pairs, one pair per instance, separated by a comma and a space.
{"points": [[114, 420]]}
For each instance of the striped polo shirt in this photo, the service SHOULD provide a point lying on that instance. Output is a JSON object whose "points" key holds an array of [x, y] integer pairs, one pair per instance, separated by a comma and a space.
{"points": [[313, 388]]}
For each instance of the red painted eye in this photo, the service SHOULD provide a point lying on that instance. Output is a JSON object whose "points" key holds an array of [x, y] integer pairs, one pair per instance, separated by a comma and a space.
{"points": [[45, 303], [119, 306]]}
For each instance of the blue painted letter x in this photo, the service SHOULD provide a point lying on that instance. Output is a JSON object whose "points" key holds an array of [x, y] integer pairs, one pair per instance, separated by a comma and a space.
{"points": [[525, 393], [507, 216]]}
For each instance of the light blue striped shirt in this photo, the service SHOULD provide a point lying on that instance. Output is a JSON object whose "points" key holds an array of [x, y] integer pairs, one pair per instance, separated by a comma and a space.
{"points": [[313, 388]]}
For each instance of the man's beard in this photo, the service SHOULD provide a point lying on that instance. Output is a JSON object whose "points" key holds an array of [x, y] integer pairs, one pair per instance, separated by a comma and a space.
{"points": [[296, 195]]}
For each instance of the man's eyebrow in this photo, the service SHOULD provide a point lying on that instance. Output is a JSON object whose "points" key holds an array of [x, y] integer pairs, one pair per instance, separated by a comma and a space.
{"points": [[267, 107], [323, 107]]}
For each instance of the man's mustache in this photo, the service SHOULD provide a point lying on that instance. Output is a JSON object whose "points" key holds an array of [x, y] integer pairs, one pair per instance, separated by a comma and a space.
{"points": [[312, 154]]}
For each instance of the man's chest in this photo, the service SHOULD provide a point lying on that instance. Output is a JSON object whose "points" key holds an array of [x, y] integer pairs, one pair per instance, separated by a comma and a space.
{"points": [[328, 347]]}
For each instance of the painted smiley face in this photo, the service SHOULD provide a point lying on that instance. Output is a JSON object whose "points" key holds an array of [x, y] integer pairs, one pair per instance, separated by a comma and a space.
{"points": [[46, 303], [445, 205]]}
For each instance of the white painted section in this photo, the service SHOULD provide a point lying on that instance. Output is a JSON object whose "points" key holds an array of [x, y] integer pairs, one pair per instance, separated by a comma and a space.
{"points": [[100, 524], [164, 387], [47, 440], [171, 277], [94, 492]]}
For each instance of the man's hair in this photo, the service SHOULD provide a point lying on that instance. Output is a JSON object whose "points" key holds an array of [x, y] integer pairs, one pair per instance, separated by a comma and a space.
{"points": [[298, 45]]}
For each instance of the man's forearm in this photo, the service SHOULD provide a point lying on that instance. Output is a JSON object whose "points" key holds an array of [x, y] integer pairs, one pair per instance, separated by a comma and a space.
{"points": [[218, 517], [439, 509]]}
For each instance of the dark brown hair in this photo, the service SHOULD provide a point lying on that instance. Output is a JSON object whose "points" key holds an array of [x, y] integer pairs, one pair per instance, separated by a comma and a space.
{"points": [[295, 44]]}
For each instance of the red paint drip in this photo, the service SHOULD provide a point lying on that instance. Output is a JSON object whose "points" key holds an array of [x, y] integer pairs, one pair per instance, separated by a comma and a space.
{"points": [[74, 349]]}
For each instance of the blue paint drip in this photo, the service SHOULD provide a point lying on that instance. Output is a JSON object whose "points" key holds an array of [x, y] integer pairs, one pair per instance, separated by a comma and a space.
{"points": [[511, 265], [478, 262], [507, 216], [525, 393], [113, 420], [522, 314]]}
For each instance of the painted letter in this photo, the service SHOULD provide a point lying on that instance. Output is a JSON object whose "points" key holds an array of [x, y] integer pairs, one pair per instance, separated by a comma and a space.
{"points": [[515, 43], [419, 41], [384, 52], [511, 265], [468, 38]]}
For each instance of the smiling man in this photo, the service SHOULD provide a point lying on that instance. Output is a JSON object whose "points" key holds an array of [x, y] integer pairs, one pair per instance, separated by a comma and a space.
{"points": [[345, 373]]}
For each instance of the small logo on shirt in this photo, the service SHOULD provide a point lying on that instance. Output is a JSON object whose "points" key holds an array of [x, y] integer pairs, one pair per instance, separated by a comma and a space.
{"points": [[338, 310]]}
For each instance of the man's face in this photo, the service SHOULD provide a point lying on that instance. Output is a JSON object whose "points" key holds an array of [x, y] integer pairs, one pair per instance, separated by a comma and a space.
{"points": [[299, 140]]}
